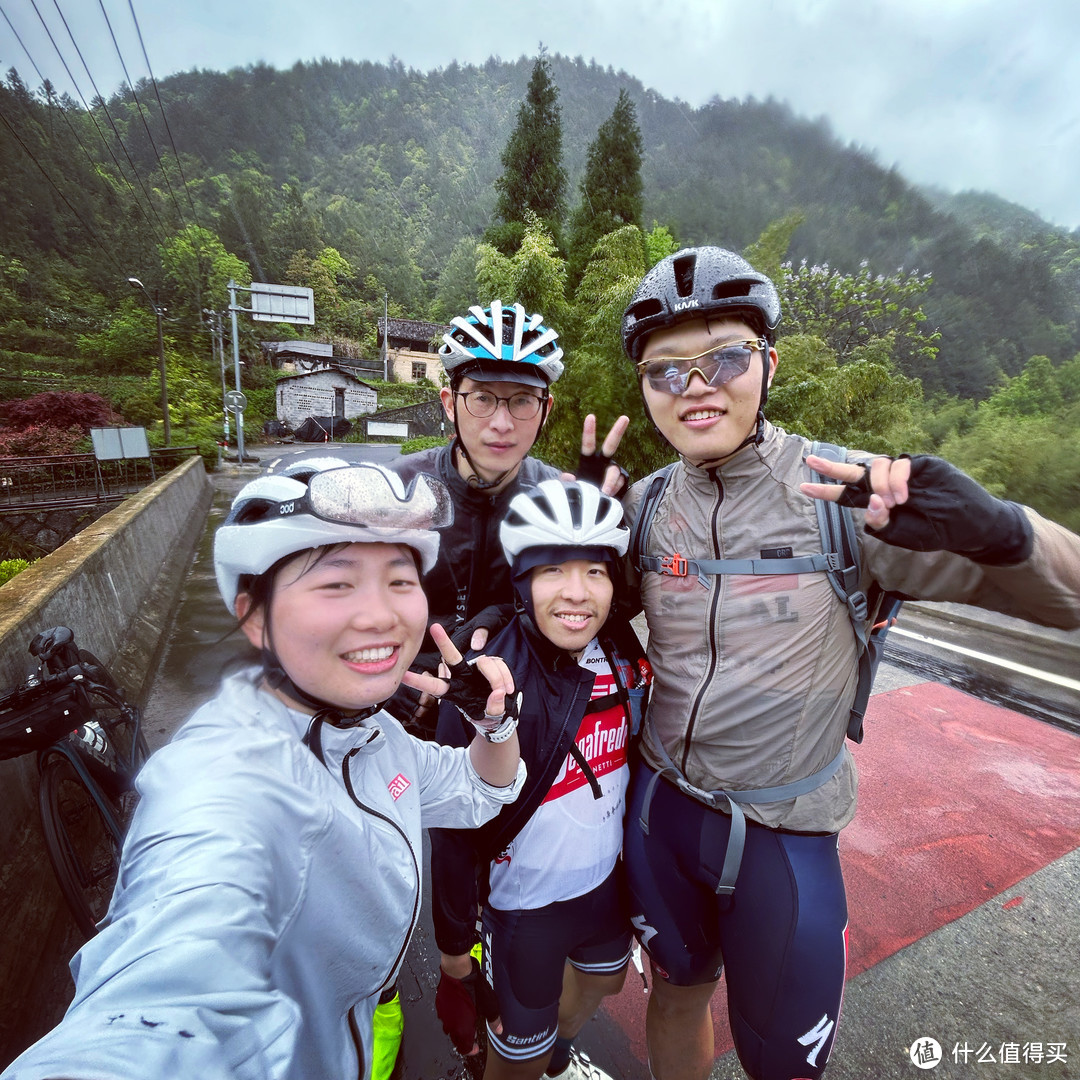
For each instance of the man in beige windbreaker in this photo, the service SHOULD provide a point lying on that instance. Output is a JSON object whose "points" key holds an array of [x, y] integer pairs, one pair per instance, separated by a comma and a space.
{"points": [[745, 779]]}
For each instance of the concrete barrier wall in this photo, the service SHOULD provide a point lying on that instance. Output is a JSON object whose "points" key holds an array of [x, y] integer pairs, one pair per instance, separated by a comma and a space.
{"points": [[115, 584]]}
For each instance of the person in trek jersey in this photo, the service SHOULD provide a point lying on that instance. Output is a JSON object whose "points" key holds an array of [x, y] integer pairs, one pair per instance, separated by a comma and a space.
{"points": [[556, 938], [756, 661], [270, 881]]}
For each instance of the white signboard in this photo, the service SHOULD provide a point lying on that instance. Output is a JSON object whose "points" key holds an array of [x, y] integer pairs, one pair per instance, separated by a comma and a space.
{"points": [[282, 303], [112, 444], [382, 427]]}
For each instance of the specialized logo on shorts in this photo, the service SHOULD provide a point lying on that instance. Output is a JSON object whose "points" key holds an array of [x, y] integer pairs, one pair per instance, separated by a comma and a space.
{"points": [[645, 932], [818, 1035], [398, 786]]}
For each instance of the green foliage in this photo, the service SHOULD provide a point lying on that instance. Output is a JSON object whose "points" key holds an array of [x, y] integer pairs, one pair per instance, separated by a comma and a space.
{"points": [[128, 341], [1034, 392], [1030, 459], [598, 376], [611, 189], [456, 292], [659, 244], [10, 567], [422, 442], [864, 403], [767, 254], [848, 311], [197, 266], [535, 276], [533, 179]]}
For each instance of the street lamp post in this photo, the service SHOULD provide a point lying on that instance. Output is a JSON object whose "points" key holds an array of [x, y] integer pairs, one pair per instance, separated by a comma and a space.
{"points": [[135, 283]]}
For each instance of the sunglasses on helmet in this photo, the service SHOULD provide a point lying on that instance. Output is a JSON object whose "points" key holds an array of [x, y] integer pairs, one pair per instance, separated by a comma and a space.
{"points": [[717, 365], [356, 495]]}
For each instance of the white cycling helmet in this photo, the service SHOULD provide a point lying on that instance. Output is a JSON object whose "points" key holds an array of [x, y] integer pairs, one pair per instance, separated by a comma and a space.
{"points": [[558, 520], [276, 516], [502, 344]]}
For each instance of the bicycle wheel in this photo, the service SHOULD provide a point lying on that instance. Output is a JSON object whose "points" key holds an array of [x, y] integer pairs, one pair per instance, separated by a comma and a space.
{"points": [[81, 848]]}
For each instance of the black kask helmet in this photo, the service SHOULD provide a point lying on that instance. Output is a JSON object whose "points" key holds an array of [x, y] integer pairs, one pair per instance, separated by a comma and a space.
{"points": [[697, 282]]}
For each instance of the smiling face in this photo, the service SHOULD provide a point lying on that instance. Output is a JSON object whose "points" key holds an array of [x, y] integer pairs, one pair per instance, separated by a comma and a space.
{"points": [[705, 423], [497, 444], [571, 601], [345, 623]]}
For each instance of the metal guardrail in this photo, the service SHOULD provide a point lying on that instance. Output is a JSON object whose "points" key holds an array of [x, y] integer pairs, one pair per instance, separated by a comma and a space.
{"points": [[50, 482]]}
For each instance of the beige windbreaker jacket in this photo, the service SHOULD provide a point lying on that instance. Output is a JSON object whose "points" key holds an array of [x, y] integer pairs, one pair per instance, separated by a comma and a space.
{"points": [[754, 675]]}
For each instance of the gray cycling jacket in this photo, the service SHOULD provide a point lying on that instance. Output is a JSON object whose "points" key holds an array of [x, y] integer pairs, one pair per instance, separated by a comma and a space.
{"points": [[754, 675], [264, 900]]}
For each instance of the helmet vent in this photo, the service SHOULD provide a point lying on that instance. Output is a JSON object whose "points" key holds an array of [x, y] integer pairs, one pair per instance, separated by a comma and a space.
{"points": [[727, 289], [684, 274], [646, 309], [573, 500]]}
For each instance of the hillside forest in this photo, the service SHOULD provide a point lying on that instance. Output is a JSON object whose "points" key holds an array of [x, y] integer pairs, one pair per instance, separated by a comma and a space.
{"points": [[913, 320]]}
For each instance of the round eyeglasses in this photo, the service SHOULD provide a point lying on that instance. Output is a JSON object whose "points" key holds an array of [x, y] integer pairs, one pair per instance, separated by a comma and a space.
{"points": [[483, 403], [717, 365]]}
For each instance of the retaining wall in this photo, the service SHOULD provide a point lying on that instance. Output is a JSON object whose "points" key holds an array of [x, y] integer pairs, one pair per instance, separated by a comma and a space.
{"points": [[115, 584]]}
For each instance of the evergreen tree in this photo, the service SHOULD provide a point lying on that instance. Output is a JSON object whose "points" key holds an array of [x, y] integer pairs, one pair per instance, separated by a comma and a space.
{"points": [[533, 177], [611, 189]]}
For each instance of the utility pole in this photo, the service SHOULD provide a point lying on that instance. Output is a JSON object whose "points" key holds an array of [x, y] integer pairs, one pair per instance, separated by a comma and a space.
{"points": [[386, 337], [135, 283]]}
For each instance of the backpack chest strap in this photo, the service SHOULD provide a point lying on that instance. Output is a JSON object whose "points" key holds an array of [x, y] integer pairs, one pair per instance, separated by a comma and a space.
{"points": [[678, 566]]}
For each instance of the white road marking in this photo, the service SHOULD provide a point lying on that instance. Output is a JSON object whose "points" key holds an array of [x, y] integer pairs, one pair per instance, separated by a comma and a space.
{"points": [[1023, 669]]}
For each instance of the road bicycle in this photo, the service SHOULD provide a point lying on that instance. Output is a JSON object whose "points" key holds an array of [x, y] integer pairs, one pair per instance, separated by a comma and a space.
{"points": [[89, 745]]}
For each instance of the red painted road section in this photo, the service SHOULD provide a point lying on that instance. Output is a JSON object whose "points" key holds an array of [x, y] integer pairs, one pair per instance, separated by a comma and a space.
{"points": [[958, 801]]}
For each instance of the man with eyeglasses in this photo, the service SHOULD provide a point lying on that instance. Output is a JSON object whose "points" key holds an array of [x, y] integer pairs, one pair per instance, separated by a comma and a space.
{"points": [[755, 669], [501, 364]]}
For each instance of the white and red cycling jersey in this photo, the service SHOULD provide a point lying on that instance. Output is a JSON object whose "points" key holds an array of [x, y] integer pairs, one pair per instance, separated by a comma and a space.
{"points": [[570, 844]]}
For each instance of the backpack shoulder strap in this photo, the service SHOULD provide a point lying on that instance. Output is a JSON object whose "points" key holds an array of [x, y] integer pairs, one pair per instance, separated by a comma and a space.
{"points": [[838, 535], [639, 534]]}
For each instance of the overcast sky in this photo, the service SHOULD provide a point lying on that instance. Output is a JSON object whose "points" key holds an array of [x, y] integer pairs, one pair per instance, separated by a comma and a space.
{"points": [[963, 94]]}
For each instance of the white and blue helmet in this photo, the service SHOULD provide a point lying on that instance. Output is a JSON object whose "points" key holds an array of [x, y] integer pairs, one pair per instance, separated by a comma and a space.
{"points": [[502, 344]]}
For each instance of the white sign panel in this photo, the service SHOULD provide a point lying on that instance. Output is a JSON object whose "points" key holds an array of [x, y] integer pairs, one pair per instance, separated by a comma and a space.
{"points": [[382, 427], [282, 303], [113, 444]]}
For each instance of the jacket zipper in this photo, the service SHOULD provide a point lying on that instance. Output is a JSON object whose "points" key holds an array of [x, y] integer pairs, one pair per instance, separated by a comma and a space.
{"points": [[714, 603], [358, 1044], [414, 918]]}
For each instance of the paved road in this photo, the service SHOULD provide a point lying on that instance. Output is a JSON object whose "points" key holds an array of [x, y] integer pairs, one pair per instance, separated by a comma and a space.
{"points": [[963, 871]]}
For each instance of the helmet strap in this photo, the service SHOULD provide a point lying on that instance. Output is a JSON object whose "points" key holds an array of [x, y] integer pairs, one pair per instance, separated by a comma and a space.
{"points": [[277, 678], [473, 479]]}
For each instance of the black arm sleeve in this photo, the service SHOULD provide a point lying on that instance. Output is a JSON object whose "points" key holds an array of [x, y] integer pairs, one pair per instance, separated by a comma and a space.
{"points": [[948, 511], [454, 890]]}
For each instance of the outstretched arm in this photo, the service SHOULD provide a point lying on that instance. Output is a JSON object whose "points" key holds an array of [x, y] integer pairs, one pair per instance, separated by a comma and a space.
{"points": [[923, 503]]}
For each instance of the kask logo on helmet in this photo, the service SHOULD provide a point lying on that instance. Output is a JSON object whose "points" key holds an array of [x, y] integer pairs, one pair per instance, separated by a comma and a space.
{"points": [[683, 305]]}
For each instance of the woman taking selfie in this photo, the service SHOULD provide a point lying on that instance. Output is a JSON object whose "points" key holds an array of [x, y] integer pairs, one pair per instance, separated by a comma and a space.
{"points": [[271, 879]]}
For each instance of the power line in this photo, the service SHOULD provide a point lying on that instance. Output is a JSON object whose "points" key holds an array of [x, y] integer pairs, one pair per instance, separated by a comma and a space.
{"points": [[142, 116], [90, 111], [89, 228], [168, 130]]}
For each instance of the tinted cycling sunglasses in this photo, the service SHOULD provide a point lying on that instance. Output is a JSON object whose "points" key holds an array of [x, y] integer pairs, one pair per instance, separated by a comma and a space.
{"points": [[361, 495], [717, 365]]}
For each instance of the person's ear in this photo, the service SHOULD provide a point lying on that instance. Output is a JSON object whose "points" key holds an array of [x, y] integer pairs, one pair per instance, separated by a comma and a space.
{"points": [[773, 360], [251, 619], [447, 396], [550, 406]]}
